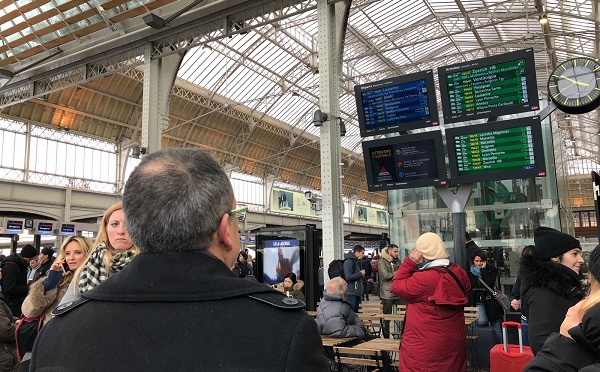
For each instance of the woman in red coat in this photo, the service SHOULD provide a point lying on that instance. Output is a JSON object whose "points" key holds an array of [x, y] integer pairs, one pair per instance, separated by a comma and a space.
{"points": [[434, 334]]}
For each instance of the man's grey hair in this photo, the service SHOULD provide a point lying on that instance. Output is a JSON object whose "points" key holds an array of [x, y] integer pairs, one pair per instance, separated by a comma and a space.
{"points": [[337, 286], [174, 200]]}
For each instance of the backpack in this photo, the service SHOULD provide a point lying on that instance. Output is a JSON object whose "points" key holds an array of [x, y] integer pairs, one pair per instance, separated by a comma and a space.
{"points": [[26, 333], [336, 268]]}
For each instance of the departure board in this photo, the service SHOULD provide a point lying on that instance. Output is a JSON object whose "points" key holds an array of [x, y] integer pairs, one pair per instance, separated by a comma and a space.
{"points": [[489, 87], [496, 151], [405, 161], [397, 104]]}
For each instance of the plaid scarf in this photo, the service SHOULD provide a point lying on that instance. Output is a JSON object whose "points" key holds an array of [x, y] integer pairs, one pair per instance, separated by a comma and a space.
{"points": [[94, 271]]}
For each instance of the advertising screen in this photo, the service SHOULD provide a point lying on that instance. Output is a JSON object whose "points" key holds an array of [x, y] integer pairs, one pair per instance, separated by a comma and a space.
{"points": [[496, 151], [280, 257], [67, 229], [396, 104], [489, 87], [44, 228], [14, 226], [408, 161]]}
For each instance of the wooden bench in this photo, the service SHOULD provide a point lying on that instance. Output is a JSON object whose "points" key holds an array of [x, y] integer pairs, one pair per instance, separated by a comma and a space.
{"points": [[357, 356]]}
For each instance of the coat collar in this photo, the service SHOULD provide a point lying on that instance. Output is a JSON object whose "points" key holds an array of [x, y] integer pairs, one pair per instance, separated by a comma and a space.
{"points": [[535, 272], [188, 276]]}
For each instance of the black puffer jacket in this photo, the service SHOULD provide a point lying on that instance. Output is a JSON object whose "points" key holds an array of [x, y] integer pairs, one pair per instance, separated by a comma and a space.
{"points": [[548, 289], [561, 354]]}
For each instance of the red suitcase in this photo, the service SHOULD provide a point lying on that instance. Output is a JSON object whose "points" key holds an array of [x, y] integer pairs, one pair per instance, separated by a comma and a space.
{"points": [[510, 358]]}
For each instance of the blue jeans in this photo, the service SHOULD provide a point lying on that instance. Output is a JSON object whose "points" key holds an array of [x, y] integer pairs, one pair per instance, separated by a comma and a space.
{"points": [[525, 331], [354, 301], [483, 322]]}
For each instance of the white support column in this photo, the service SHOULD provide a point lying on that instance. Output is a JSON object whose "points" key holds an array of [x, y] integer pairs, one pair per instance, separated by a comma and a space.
{"points": [[331, 31], [159, 76]]}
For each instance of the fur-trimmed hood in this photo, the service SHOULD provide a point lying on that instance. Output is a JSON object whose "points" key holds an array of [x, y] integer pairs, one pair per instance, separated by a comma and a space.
{"points": [[387, 256], [535, 272]]}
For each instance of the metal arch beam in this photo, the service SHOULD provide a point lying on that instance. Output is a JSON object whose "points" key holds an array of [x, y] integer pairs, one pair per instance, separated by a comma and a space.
{"points": [[107, 60]]}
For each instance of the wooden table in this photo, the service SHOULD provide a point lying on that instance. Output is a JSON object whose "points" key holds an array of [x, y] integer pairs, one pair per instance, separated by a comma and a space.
{"points": [[382, 344], [335, 341]]}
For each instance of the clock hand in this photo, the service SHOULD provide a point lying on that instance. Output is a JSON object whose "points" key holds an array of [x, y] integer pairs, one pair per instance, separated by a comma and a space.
{"points": [[574, 81]]}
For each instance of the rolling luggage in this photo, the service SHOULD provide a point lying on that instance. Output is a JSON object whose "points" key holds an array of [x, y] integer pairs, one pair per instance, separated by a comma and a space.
{"points": [[510, 358]]}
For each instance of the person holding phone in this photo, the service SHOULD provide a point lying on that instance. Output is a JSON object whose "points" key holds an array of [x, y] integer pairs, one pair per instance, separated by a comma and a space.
{"points": [[45, 294]]}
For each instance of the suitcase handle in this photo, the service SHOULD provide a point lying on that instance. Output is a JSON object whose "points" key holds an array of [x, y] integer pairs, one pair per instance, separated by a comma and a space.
{"points": [[504, 335]]}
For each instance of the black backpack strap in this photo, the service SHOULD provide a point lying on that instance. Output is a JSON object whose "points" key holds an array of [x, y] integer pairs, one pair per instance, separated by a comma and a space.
{"points": [[455, 278]]}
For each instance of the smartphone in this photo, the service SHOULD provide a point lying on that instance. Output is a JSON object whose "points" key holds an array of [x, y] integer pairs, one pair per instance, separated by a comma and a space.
{"points": [[65, 267]]}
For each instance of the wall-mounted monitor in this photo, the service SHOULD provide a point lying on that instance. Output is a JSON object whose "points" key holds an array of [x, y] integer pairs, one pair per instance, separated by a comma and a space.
{"points": [[67, 229], [402, 162], [489, 87], [44, 228], [396, 104], [280, 257], [496, 151], [14, 225]]}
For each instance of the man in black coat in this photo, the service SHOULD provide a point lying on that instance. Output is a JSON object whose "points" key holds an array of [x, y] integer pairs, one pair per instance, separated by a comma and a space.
{"points": [[177, 306], [14, 277]]}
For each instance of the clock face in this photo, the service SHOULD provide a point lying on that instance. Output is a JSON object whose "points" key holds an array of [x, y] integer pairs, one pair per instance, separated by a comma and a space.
{"points": [[574, 85]]}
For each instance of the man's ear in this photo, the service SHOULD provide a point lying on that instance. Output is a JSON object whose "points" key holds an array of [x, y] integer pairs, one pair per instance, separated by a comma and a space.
{"points": [[223, 232]]}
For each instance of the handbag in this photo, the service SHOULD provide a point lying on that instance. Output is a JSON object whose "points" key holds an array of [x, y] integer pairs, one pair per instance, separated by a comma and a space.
{"points": [[502, 299], [26, 333]]}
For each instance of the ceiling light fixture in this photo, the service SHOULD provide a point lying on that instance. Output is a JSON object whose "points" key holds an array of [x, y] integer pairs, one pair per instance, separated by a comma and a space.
{"points": [[543, 19], [206, 49]]}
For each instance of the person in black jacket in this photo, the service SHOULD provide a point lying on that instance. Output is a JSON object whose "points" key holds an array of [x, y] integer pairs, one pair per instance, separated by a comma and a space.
{"points": [[577, 346], [365, 264], [490, 310], [14, 277], [176, 306], [45, 259], [550, 283], [515, 298]]}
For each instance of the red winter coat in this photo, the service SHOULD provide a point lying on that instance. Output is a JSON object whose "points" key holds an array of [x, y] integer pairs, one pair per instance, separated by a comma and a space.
{"points": [[434, 336]]}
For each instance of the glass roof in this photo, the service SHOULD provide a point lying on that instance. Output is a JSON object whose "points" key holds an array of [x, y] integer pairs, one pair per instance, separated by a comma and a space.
{"points": [[272, 69]]}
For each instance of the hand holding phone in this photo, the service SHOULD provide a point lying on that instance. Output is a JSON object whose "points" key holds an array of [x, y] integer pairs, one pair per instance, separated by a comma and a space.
{"points": [[65, 267]]}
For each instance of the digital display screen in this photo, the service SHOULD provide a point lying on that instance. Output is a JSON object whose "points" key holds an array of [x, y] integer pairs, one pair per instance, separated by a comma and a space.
{"points": [[405, 161], [14, 226], [496, 151], [280, 257], [44, 228], [397, 104], [489, 87], [67, 229]]}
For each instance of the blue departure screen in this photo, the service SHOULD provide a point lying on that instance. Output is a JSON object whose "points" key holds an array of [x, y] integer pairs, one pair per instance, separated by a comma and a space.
{"points": [[396, 104]]}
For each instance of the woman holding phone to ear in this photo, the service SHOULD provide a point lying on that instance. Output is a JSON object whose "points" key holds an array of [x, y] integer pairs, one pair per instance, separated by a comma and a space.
{"points": [[46, 293]]}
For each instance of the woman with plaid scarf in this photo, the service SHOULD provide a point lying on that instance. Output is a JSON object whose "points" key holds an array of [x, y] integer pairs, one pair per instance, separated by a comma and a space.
{"points": [[113, 250]]}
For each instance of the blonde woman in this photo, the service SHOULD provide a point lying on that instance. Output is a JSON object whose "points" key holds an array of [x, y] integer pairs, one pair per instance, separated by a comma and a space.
{"points": [[46, 293], [113, 250], [578, 343]]}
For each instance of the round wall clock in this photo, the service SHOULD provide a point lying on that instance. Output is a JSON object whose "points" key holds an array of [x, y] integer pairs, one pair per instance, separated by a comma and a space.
{"points": [[574, 86]]}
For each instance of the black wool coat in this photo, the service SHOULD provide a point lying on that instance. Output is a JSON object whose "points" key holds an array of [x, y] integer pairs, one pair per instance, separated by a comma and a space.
{"points": [[14, 282], [562, 354], [180, 312], [548, 289]]}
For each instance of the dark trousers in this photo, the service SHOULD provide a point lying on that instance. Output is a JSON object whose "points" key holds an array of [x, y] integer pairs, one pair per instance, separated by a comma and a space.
{"points": [[354, 301], [387, 309], [366, 289]]}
